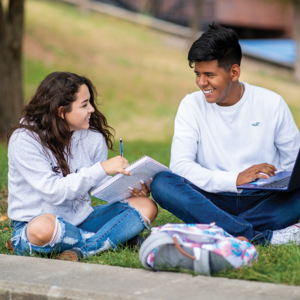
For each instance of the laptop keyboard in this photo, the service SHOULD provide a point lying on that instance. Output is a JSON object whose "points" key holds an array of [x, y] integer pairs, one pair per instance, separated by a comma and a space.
{"points": [[278, 184]]}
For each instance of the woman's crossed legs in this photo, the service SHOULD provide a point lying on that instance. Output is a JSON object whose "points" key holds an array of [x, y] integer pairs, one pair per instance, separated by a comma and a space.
{"points": [[107, 227]]}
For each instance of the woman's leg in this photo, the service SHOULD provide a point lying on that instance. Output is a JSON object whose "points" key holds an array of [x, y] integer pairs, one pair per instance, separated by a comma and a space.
{"points": [[146, 207], [40, 230], [123, 222], [46, 234], [104, 213], [108, 226]]}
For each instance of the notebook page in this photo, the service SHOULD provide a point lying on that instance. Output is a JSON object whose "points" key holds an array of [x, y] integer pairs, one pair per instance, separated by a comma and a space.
{"points": [[103, 186], [118, 190], [107, 183]]}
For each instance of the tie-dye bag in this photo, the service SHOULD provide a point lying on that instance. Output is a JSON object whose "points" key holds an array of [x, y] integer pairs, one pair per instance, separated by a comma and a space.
{"points": [[199, 247]]}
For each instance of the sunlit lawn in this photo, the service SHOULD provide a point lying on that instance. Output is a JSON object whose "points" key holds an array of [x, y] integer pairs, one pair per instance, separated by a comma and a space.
{"points": [[141, 81]]}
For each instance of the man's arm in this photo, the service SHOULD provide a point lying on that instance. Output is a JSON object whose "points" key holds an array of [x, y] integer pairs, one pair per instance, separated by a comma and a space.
{"points": [[287, 142], [287, 137]]}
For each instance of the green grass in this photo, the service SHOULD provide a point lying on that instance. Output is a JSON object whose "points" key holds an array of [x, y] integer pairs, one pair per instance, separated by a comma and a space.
{"points": [[276, 264], [35, 72]]}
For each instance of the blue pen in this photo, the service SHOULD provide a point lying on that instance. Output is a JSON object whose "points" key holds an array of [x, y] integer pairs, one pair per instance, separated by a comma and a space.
{"points": [[121, 147]]}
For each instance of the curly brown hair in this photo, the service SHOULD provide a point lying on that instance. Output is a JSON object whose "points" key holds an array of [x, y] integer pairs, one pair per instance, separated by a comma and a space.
{"points": [[40, 115]]}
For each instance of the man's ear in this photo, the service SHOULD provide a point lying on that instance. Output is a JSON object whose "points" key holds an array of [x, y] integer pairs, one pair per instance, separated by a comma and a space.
{"points": [[61, 112], [235, 72]]}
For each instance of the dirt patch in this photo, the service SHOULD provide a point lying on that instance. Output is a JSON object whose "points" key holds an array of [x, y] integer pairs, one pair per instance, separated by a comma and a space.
{"points": [[34, 50]]}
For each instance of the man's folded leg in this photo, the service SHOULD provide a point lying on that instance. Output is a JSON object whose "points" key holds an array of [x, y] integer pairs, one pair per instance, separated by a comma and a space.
{"points": [[192, 205], [279, 212]]}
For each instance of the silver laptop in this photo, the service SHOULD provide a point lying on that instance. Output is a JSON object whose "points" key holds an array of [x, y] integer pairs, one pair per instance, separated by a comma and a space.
{"points": [[283, 181]]}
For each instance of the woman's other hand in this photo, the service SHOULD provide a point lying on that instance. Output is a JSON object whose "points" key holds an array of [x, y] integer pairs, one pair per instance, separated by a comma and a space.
{"points": [[115, 165], [145, 192]]}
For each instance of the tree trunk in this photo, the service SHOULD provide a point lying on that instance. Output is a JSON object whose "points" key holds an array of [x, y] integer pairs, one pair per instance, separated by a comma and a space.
{"points": [[11, 92], [297, 40]]}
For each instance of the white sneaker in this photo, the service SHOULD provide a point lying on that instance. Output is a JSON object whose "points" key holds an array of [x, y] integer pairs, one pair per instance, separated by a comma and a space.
{"points": [[287, 235]]}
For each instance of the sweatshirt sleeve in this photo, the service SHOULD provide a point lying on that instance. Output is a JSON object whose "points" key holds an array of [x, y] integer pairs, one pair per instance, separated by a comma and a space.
{"points": [[100, 155], [184, 149], [28, 157], [287, 137]]}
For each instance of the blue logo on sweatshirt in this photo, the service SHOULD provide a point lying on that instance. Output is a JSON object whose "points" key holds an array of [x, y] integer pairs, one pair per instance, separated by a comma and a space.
{"points": [[256, 124]]}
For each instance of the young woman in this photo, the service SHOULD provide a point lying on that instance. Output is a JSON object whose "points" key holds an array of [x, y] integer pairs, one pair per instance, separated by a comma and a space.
{"points": [[57, 153]]}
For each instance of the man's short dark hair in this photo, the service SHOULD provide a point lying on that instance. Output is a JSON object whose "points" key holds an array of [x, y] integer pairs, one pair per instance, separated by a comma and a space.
{"points": [[217, 43]]}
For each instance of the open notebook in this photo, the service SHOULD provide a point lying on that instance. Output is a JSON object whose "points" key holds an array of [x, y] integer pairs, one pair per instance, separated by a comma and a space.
{"points": [[116, 188]]}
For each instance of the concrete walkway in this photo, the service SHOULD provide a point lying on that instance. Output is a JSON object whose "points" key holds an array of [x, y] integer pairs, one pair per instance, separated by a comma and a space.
{"points": [[35, 278]]}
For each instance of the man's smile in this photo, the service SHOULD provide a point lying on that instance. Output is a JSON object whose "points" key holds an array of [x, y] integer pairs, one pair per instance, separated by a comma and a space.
{"points": [[206, 92]]}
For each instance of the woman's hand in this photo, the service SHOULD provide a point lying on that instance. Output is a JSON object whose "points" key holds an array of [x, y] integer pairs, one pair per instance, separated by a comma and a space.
{"points": [[145, 192], [115, 165]]}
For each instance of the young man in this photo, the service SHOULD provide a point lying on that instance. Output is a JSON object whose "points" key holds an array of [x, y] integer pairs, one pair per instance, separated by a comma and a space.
{"points": [[227, 134]]}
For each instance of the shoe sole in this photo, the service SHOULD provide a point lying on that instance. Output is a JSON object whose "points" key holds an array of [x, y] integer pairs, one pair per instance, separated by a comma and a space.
{"points": [[68, 256]]}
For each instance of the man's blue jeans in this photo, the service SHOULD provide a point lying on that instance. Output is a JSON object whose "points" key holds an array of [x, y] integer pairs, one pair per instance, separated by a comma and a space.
{"points": [[107, 227], [252, 214]]}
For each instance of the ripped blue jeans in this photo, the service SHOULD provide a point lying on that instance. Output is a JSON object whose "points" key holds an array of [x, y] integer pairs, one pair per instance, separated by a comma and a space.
{"points": [[107, 227]]}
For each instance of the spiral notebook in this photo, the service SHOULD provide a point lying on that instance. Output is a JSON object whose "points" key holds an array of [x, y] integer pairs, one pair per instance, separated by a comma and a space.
{"points": [[116, 188]]}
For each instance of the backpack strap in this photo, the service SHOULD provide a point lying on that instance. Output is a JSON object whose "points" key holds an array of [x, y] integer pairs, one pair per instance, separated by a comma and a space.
{"points": [[152, 242], [181, 250]]}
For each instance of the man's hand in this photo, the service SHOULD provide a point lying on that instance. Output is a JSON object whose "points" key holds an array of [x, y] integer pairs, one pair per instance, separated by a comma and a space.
{"points": [[254, 172]]}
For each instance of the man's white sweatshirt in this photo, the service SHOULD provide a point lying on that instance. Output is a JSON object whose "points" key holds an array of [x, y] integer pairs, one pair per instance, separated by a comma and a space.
{"points": [[212, 144]]}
